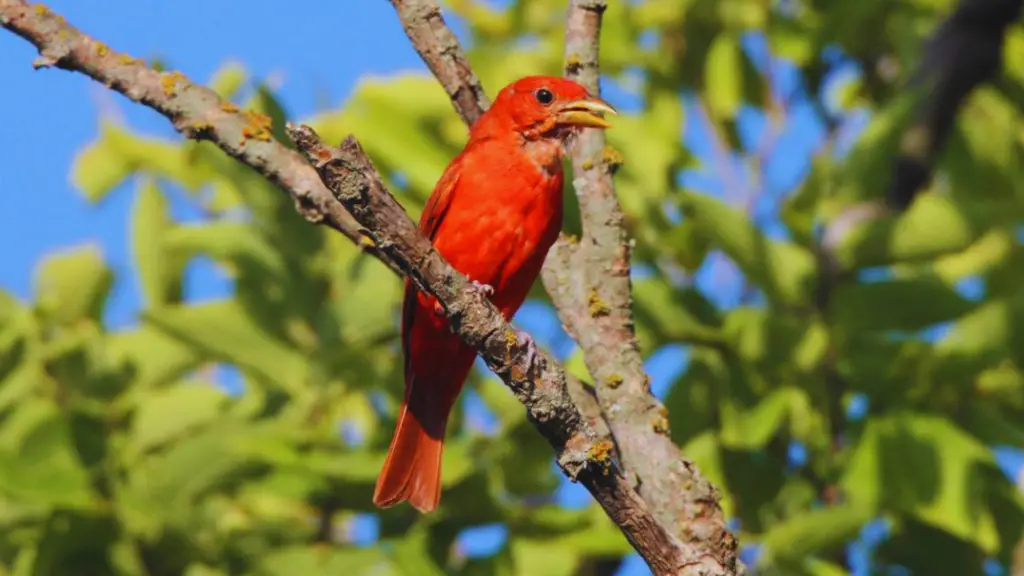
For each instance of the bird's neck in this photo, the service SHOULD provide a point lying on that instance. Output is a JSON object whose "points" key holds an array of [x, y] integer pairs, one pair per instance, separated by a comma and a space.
{"points": [[545, 153]]}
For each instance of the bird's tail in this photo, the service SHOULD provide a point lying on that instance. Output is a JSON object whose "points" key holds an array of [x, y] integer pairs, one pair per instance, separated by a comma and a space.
{"points": [[412, 470]]}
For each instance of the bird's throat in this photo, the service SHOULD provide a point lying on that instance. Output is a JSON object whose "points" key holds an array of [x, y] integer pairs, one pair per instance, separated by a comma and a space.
{"points": [[545, 153]]}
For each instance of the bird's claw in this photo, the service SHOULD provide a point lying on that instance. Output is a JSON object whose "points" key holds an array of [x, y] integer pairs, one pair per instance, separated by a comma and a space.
{"points": [[487, 289], [529, 347]]}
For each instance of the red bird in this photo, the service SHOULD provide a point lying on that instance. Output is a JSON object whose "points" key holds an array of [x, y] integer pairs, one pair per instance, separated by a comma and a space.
{"points": [[493, 215]]}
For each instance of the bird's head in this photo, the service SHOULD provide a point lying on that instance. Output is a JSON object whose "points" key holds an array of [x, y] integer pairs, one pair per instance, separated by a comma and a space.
{"points": [[544, 107]]}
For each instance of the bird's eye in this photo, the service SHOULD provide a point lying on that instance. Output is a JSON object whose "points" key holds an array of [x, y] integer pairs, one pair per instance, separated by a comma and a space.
{"points": [[544, 96]]}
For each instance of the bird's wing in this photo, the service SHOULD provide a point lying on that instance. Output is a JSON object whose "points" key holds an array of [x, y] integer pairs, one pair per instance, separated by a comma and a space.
{"points": [[430, 222], [439, 202]]}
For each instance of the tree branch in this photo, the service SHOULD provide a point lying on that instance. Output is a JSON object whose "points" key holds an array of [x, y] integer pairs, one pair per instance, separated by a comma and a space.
{"points": [[540, 384], [589, 281], [195, 111], [440, 50], [964, 52], [589, 284], [536, 380]]}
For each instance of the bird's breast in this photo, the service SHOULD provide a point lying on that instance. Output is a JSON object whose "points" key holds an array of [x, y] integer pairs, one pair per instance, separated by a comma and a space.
{"points": [[499, 231]]}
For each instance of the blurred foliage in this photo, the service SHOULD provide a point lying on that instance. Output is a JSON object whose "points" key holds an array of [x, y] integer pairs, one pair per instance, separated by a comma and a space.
{"points": [[121, 455]]}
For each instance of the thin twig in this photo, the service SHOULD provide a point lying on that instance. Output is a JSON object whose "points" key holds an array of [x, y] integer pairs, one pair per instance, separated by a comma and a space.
{"points": [[536, 380], [195, 111], [440, 50]]}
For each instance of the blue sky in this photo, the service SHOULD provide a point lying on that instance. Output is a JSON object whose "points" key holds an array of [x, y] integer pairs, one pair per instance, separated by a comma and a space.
{"points": [[50, 115]]}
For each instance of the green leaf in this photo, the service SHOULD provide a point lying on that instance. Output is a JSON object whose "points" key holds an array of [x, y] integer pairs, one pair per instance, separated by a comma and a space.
{"points": [[753, 428], [227, 80], [164, 415], [412, 554], [986, 329], [989, 251], [117, 153], [323, 561], [153, 356], [813, 531], [763, 336], [782, 269], [933, 226], [665, 310], [903, 304], [380, 113], [525, 461], [981, 155], [150, 221], [161, 490], [73, 284], [689, 247], [367, 312], [987, 422], [100, 168], [221, 330], [723, 82], [598, 537], [538, 557], [38, 461], [927, 467], [235, 244], [693, 401]]}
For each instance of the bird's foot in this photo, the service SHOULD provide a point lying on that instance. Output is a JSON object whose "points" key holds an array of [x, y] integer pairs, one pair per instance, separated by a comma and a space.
{"points": [[487, 289], [529, 347]]}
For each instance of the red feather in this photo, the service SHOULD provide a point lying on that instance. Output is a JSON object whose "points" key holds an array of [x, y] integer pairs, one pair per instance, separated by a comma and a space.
{"points": [[493, 215]]}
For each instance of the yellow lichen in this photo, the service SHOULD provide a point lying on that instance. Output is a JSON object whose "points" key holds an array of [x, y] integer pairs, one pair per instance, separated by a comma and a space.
{"points": [[595, 306], [258, 127], [611, 158], [102, 50], [169, 82], [573, 60], [510, 338], [126, 60], [41, 9], [601, 453], [227, 106], [660, 424], [614, 381], [587, 165]]}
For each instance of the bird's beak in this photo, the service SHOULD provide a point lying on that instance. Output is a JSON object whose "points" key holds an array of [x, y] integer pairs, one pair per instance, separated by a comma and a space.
{"points": [[586, 112]]}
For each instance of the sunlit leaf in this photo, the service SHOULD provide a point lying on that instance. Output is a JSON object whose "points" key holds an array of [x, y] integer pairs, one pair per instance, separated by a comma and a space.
{"points": [[724, 82], [911, 304], [73, 284], [221, 330], [925, 466], [814, 531]]}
